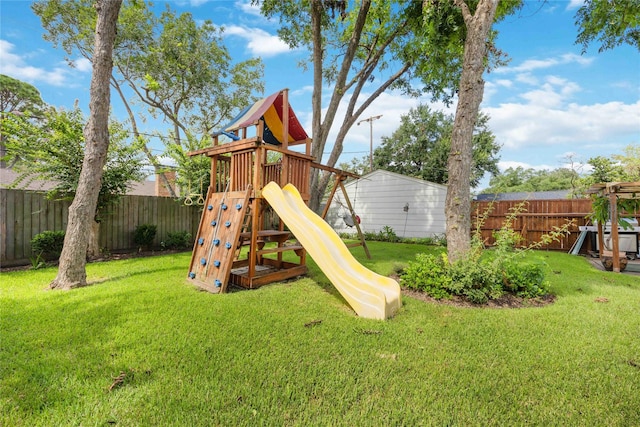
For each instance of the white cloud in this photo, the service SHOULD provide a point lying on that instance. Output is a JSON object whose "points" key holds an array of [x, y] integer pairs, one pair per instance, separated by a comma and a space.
{"points": [[260, 42], [552, 93], [304, 90], [83, 64], [493, 87], [390, 105], [574, 4], [192, 3], [535, 125], [504, 83], [527, 78], [538, 64], [248, 8], [14, 65]]}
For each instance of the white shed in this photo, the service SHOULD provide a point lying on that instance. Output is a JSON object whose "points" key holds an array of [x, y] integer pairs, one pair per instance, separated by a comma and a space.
{"points": [[410, 206]]}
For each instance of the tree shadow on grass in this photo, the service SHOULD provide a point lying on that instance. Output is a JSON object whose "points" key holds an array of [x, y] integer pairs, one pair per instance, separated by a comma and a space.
{"points": [[144, 272]]}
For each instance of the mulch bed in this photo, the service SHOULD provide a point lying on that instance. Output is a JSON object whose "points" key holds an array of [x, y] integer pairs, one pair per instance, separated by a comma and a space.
{"points": [[506, 301]]}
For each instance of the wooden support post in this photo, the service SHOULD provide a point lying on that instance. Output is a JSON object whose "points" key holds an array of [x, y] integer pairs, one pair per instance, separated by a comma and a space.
{"points": [[285, 177], [600, 239], [214, 173], [615, 244], [339, 179], [256, 223], [285, 119], [253, 246]]}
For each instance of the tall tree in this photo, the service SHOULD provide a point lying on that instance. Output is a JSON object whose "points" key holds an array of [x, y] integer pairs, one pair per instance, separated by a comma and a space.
{"points": [[630, 161], [350, 49], [618, 168], [359, 166], [72, 270], [17, 97], [477, 48], [181, 75], [179, 69], [420, 147], [611, 23], [520, 179], [52, 149]]}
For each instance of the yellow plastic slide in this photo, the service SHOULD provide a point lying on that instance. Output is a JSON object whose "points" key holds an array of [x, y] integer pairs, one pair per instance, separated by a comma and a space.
{"points": [[371, 295]]}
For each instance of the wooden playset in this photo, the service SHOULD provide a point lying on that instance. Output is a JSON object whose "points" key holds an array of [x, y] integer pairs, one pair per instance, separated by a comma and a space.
{"points": [[236, 215]]}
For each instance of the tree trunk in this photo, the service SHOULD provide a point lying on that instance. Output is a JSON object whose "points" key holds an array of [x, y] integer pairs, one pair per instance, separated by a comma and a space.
{"points": [[322, 127], [316, 100], [72, 272], [470, 93]]}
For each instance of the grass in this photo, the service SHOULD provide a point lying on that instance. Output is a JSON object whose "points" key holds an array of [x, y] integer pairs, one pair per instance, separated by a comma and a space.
{"points": [[142, 347]]}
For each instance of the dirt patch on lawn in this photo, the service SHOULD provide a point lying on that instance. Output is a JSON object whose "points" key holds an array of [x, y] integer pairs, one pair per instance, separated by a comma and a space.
{"points": [[506, 301]]}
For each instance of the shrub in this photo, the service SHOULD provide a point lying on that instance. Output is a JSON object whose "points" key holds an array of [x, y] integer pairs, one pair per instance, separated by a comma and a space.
{"points": [[526, 279], [481, 275], [387, 235], [144, 234], [429, 274], [48, 244], [478, 280], [177, 240], [370, 235]]}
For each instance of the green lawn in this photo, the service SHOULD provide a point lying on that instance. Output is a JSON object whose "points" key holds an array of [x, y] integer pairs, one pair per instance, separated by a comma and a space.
{"points": [[175, 356]]}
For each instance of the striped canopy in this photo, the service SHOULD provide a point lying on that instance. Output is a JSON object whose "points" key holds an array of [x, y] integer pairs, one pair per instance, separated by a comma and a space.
{"points": [[269, 110]]}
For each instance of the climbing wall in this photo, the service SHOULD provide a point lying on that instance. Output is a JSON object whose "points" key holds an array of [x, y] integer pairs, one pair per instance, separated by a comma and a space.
{"points": [[217, 239]]}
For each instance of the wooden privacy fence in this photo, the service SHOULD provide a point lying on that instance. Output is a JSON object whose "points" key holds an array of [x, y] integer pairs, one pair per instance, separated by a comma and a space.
{"points": [[538, 218], [23, 214]]}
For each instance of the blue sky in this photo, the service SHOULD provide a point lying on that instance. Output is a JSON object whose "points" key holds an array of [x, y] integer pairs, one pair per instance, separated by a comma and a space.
{"points": [[550, 103]]}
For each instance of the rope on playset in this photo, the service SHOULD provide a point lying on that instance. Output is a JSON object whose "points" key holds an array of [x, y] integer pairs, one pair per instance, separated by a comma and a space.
{"points": [[188, 200], [348, 215]]}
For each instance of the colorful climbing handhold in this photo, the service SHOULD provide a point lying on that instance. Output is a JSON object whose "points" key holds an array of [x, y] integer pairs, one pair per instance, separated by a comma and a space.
{"points": [[213, 223], [224, 207], [227, 245], [216, 263], [210, 207], [201, 241], [239, 206], [218, 283], [216, 242], [227, 224], [192, 275], [203, 261]]}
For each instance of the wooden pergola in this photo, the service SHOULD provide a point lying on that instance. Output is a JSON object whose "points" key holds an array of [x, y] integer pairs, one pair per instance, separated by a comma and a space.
{"points": [[614, 191]]}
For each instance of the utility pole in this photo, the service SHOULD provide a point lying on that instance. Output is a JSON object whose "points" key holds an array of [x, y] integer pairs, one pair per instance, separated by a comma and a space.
{"points": [[370, 120]]}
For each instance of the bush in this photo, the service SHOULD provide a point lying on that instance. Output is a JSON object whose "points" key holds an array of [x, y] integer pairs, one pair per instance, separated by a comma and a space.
{"points": [[526, 279], [143, 235], [481, 275], [48, 244], [478, 280], [387, 234], [177, 240], [429, 274]]}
